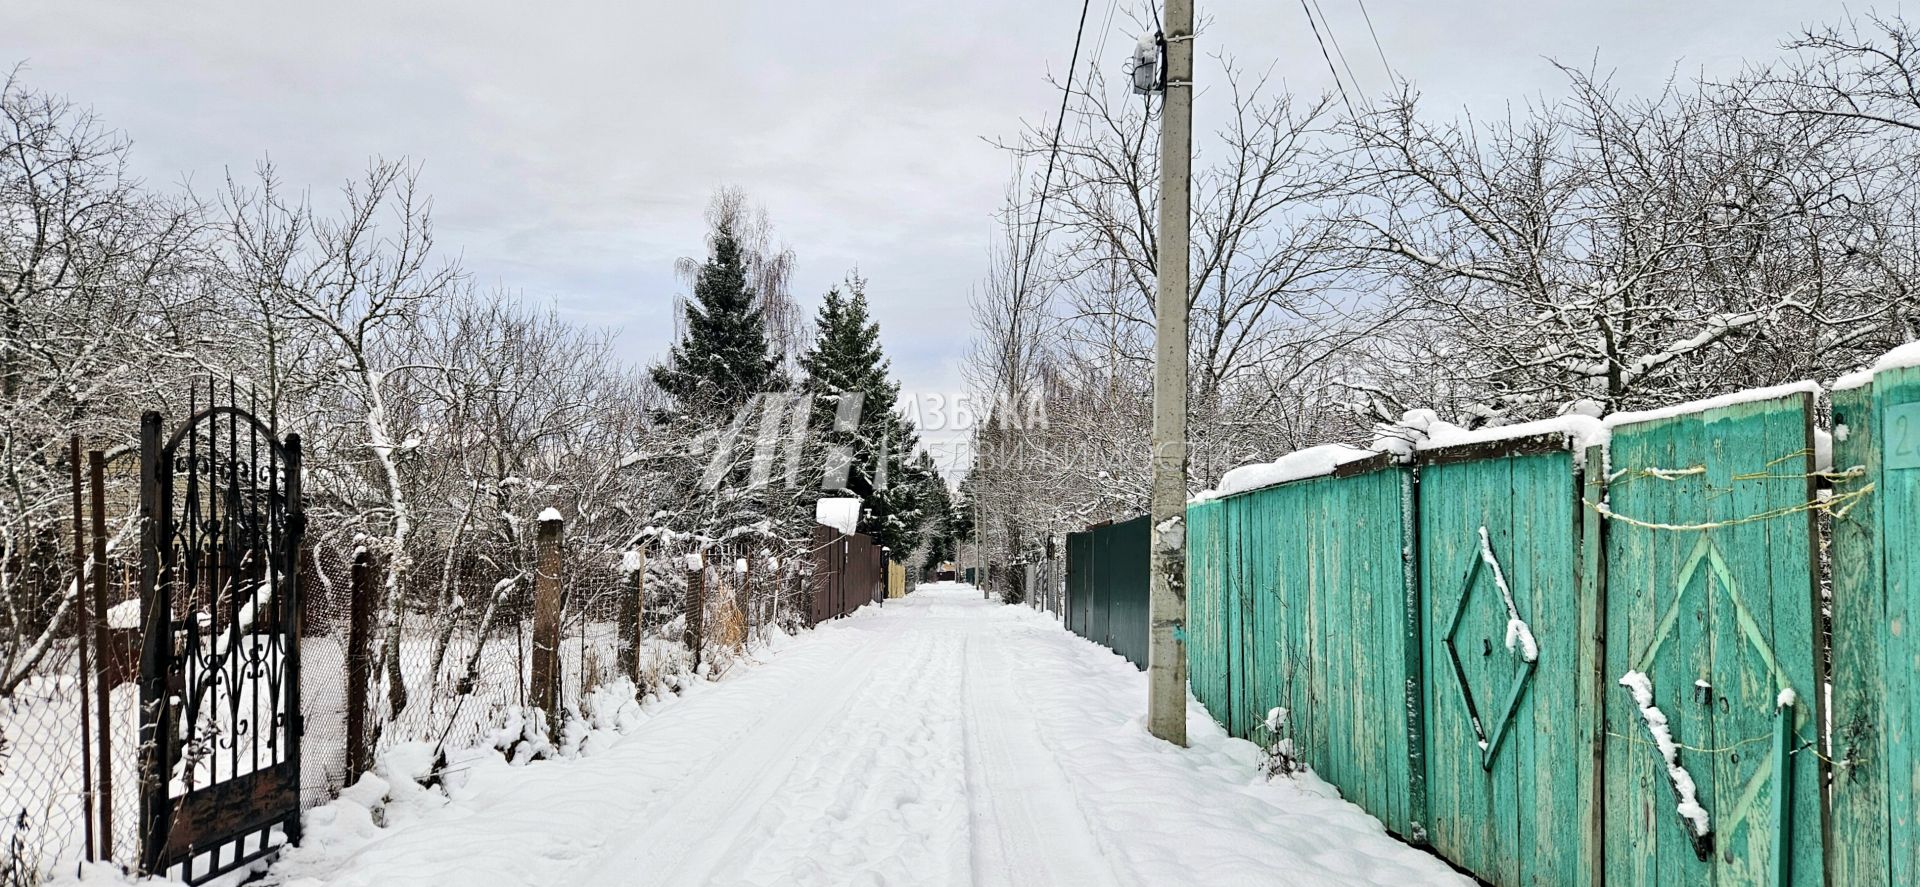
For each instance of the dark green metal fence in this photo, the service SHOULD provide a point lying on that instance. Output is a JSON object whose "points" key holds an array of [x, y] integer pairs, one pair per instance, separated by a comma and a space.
{"points": [[1107, 587]]}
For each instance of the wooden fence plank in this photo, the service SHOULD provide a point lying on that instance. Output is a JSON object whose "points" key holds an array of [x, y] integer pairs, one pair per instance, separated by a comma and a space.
{"points": [[1897, 402], [1592, 592], [1857, 821], [1710, 594], [1876, 576]]}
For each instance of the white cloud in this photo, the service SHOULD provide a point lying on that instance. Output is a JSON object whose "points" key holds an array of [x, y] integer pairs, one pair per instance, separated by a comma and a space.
{"points": [[571, 146]]}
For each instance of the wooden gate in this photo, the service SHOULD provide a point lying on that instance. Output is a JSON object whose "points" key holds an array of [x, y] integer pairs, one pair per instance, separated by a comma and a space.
{"points": [[219, 673], [1712, 658], [1510, 707]]}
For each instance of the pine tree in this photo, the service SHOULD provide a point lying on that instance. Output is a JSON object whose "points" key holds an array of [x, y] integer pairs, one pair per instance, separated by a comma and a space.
{"points": [[723, 359], [846, 357], [942, 541]]}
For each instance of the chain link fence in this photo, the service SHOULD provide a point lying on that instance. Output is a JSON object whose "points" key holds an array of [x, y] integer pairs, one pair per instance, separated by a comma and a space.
{"points": [[56, 747]]}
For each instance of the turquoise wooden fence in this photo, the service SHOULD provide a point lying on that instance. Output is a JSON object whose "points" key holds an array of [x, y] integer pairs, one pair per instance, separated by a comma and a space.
{"points": [[1876, 662], [1299, 598], [1107, 587], [1712, 595], [1665, 729], [1509, 735]]}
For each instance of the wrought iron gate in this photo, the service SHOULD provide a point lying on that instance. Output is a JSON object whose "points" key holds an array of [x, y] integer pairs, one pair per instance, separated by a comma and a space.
{"points": [[219, 670]]}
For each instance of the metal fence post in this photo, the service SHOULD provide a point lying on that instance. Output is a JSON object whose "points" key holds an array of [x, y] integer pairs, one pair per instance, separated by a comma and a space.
{"points": [[156, 607], [97, 479], [359, 638], [84, 637], [545, 692]]}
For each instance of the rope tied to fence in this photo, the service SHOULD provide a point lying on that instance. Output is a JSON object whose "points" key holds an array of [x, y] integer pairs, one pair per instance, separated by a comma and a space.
{"points": [[1802, 746], [1837, 503]]}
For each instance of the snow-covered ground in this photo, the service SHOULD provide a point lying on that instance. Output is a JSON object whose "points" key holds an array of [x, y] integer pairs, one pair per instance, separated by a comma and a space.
{"points": [[941, 739]]}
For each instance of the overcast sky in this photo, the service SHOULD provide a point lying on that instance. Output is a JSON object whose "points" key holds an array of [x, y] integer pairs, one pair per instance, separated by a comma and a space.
{"points": [[571, 146]]}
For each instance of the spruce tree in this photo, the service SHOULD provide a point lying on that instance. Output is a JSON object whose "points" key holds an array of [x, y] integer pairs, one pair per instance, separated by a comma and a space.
{"points": [[723, 359], [846, 357], [942, 543]]}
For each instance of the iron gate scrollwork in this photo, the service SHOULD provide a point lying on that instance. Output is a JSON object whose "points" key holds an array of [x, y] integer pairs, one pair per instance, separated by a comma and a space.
{"points": [[220, 670]]}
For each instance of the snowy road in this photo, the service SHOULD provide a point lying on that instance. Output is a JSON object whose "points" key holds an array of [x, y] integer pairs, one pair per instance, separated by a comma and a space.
{"points": [[940, 740]]}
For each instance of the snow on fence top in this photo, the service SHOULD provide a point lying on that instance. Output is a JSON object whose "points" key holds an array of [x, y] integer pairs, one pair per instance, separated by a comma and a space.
{"points": [[1297, 465], [551, 514], [1420, 430], [842, 514], [1423, 430], [1750, 395], [1907, 355], [1417, 430]]}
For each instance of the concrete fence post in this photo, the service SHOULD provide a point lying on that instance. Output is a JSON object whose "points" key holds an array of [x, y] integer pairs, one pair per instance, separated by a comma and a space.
{"points": [[633, 610]]}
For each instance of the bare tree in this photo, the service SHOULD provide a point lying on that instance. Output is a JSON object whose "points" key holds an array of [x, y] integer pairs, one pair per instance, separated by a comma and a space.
{"points": [[95, 276], [1624, 251]]}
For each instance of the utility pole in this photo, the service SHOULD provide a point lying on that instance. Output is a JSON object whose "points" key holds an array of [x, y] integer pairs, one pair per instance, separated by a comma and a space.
{"points": [[1167, 601]]}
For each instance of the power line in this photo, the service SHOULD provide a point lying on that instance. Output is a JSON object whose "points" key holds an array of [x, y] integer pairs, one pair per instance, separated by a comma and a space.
{"points": [[1337, 82], [1106, 31], [1334, 39], [1099, 52], [1053, 154], [1391, 77]]}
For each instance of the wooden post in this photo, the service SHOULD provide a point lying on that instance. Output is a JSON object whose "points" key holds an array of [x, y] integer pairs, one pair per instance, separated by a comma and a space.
{"points": [[1592, 590], [633, 611], [82, 634], [747, 602], [696, 606], [103, 794], [546, 620], [359, 661]]}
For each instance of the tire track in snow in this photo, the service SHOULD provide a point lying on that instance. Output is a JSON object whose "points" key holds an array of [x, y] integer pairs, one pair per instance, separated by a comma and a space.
{"points": [[888, 807], [1027, 826], [705, 813]]}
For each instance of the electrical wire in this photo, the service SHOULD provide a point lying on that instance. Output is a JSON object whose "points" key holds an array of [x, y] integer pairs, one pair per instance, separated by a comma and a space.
{"points": [[1391, 77], [1053, 154], [1106, 31], [1337, 82], [1341, 53], [1099, 52]]}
